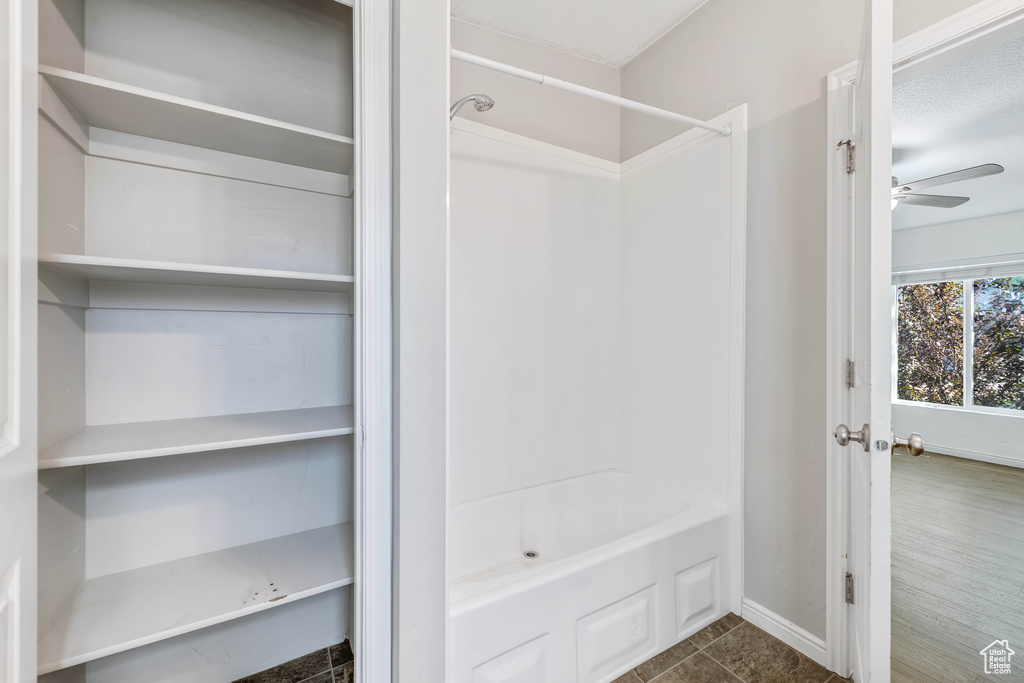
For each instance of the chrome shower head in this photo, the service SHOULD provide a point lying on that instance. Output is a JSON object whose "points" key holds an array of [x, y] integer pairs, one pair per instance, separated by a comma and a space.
{"points": [[481, 103]]}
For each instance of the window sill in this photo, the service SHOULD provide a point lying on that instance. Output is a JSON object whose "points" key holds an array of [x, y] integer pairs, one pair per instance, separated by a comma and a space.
{"points": [[976, 410]]}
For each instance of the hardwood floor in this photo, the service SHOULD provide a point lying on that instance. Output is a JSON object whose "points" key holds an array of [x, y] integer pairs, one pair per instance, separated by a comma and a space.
{"points": [[957, 567]]}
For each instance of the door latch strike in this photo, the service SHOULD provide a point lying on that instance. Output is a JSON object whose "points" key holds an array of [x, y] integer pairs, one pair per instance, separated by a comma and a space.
{"points": [[849, 588], [850, 375], [849, 153]]}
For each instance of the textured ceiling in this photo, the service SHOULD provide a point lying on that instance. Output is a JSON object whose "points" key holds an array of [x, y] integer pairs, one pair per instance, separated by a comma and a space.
{"points": [[966, 114], [607, 31]]}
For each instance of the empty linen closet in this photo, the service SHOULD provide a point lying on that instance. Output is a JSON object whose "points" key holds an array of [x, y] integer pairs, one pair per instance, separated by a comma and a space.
{"points": [[195, 336]]}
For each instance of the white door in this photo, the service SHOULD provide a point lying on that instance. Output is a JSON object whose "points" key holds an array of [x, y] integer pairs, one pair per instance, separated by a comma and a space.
{"points": [[869, 331], [17, 342]]}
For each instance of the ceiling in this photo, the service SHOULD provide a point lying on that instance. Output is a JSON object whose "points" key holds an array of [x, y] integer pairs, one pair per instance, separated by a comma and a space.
{"points": [[607, 31], [965, 114]]}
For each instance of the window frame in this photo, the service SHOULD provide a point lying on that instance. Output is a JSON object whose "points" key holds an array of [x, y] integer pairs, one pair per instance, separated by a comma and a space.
{"points": [[968, 341]]}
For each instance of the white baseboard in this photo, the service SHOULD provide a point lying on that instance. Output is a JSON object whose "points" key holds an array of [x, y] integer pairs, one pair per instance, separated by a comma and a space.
{"points": [[975, 455], [797, 638]]}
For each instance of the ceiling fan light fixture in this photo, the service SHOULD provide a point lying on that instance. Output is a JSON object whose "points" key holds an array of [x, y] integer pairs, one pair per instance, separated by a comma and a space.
{"points": [[907, 192]]}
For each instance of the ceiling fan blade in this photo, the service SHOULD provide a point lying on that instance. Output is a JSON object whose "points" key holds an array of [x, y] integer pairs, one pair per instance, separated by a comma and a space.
{"points": [[936, 200], [954, 177]]}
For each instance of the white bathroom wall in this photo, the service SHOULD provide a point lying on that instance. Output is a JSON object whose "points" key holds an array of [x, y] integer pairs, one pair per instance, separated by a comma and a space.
{"points": [[565, 119], [773, 56], [534, 313], [680, 317]]}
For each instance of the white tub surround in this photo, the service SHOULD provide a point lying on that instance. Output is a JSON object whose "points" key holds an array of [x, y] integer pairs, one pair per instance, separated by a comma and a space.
{"points": [[597, 402], [624, 568]]}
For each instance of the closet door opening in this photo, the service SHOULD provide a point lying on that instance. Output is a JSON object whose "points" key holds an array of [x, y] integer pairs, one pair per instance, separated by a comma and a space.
{"points": [[195, 336]]}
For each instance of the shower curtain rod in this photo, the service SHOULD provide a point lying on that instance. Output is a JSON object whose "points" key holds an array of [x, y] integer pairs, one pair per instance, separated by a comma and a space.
{"points": [[587, 92]]}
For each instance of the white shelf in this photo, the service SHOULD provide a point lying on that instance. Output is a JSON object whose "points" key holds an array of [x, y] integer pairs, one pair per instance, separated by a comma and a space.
{"points": [[136, 440], [138, 111], [118, 612], [167, 273]]}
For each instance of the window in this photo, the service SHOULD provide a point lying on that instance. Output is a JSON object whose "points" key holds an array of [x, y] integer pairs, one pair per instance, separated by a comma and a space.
{"points": [[961, 343], [999, 342]]}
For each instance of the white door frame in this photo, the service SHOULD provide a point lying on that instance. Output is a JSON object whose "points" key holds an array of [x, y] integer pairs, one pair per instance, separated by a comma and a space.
{"points": [[18, 347], [372, 306], [975, 29]]}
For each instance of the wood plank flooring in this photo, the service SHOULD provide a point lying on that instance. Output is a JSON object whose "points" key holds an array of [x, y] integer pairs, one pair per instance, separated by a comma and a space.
{"points": [[957, 567]]}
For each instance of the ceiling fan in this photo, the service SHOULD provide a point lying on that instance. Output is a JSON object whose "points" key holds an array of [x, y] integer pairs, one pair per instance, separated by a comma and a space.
{"points": [[901, 193]]}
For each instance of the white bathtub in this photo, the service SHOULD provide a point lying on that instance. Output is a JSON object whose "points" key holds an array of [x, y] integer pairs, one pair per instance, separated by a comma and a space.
{"points": [[623, 569]]}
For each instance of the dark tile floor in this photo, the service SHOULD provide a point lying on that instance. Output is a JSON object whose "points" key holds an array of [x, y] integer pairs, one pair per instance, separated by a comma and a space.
{"points": [[331, 665], [730, 650]]}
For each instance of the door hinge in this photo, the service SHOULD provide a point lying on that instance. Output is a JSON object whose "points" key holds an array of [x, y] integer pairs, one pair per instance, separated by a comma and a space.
{"points": [[849, 588], [850, 374], [849, 154]]}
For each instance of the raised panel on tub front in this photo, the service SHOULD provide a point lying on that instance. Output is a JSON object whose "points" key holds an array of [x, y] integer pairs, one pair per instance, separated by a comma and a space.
{"points": [[606, 608], [528, 663], [616, 636], [696, 594]]}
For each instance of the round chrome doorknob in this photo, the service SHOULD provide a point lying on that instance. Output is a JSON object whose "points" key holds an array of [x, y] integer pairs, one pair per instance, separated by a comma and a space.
{"points": [[913, 443], [844, 436]]}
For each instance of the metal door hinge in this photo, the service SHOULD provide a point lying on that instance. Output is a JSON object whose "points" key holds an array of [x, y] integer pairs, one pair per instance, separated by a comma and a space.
{"points": [[849, 588], [849, 154], [850, 374]]}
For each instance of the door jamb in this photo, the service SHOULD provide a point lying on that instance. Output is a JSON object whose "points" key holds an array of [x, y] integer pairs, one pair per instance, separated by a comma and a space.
{"points": [[973, 30], [372, 594]]}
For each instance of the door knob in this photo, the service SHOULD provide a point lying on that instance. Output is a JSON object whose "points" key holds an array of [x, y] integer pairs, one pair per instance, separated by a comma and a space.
{"points": [[914, 443], [844, 436]]}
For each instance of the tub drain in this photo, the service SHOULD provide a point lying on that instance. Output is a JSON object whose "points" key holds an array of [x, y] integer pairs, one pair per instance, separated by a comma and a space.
{"points": [[531, 554]]}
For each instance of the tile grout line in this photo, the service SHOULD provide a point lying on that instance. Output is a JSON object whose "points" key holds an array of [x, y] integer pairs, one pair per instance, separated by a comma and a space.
{"points": [[832, 676], [699, 650], [736, 675], [744, 621]]}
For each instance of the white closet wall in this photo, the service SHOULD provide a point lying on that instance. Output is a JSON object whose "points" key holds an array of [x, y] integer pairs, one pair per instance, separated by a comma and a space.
{"points": [[195, 336]]}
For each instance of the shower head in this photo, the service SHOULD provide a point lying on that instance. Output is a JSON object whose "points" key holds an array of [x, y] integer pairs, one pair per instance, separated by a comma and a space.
{"points": [[481, 103]]}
